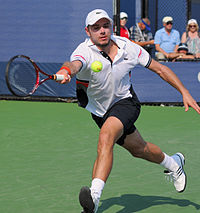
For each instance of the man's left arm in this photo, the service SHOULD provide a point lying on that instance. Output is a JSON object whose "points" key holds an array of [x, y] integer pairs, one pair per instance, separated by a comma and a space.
{"points": [[169, 76]]}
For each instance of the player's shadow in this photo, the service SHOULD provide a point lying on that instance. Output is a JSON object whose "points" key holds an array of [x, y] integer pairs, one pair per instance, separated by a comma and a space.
{"points": [[134, 203]]}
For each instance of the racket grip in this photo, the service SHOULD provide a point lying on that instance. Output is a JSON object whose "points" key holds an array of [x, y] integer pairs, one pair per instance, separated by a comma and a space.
{"points": [[59, 77]]}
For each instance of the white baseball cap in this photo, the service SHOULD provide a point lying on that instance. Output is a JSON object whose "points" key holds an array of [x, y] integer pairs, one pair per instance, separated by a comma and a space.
{"points": [[167, 18], [123, 15], [194, 21], [95, 16]]}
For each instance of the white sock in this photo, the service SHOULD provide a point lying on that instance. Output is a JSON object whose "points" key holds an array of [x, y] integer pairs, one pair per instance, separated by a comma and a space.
{"points": [[169, 163], [97, 187]]}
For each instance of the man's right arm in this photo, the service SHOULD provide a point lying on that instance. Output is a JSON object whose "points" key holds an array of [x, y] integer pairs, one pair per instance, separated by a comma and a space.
{"points": [[69, 69]]}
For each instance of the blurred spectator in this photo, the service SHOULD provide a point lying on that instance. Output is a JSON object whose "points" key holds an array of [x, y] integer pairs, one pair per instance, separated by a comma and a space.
{"points": [[166, 39], [192, 38], [141, 34], [124, 32], [182, 54]]}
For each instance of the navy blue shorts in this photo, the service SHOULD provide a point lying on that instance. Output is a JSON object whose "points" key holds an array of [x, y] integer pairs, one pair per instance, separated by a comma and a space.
{"points": [[127, 111]]}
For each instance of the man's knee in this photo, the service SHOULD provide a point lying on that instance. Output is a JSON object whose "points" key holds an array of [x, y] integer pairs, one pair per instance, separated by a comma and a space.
{"points": [[106, 142], [135, 144], [138, 151]]}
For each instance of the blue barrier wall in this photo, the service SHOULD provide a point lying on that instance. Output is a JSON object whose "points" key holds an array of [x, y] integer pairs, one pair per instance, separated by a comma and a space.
{"points": [[148, 86], [47, 30]]}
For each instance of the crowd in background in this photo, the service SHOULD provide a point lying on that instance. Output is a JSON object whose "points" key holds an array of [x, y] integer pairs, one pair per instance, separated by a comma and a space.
{"points": [[167, 44]]}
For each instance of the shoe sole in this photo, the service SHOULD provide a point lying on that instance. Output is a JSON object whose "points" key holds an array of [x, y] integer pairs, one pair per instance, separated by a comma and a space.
{"points": [[182, 159], [85, 200]]}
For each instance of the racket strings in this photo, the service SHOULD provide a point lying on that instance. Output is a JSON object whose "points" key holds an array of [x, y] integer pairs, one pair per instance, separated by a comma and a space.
{"points": [[22, 77]]}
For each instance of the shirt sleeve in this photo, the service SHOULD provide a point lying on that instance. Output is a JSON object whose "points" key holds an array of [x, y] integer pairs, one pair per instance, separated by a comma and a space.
{"points": [[144, 58], [80, 54]]}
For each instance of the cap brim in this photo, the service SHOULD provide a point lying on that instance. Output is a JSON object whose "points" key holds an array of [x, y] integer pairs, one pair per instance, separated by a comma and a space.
{"points": [[97, 19]]}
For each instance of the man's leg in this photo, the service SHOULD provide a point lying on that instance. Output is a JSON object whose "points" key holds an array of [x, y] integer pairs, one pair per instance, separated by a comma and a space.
{"points": [[135, 144], [110, 132]]}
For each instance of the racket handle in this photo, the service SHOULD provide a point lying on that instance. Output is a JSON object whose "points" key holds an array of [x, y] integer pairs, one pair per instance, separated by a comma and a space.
{"points": [[58, 77]]}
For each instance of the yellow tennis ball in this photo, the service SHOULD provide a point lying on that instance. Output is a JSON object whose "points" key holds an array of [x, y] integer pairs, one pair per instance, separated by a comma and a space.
{"points": [[96, 66]]}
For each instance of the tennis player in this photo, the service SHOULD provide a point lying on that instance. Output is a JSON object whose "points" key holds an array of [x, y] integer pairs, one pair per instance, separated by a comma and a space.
{"points": [[107, 93]]}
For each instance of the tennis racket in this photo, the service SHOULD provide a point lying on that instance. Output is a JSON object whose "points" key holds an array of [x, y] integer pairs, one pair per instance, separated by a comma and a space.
{"points": [[23, 76]]}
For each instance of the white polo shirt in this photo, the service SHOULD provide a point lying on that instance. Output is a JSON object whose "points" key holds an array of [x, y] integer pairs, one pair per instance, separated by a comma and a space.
{"points": [[112, 83]]}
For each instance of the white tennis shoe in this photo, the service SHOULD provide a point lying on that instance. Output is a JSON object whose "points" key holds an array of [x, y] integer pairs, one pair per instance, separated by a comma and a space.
{"points": [[179, 177]]}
